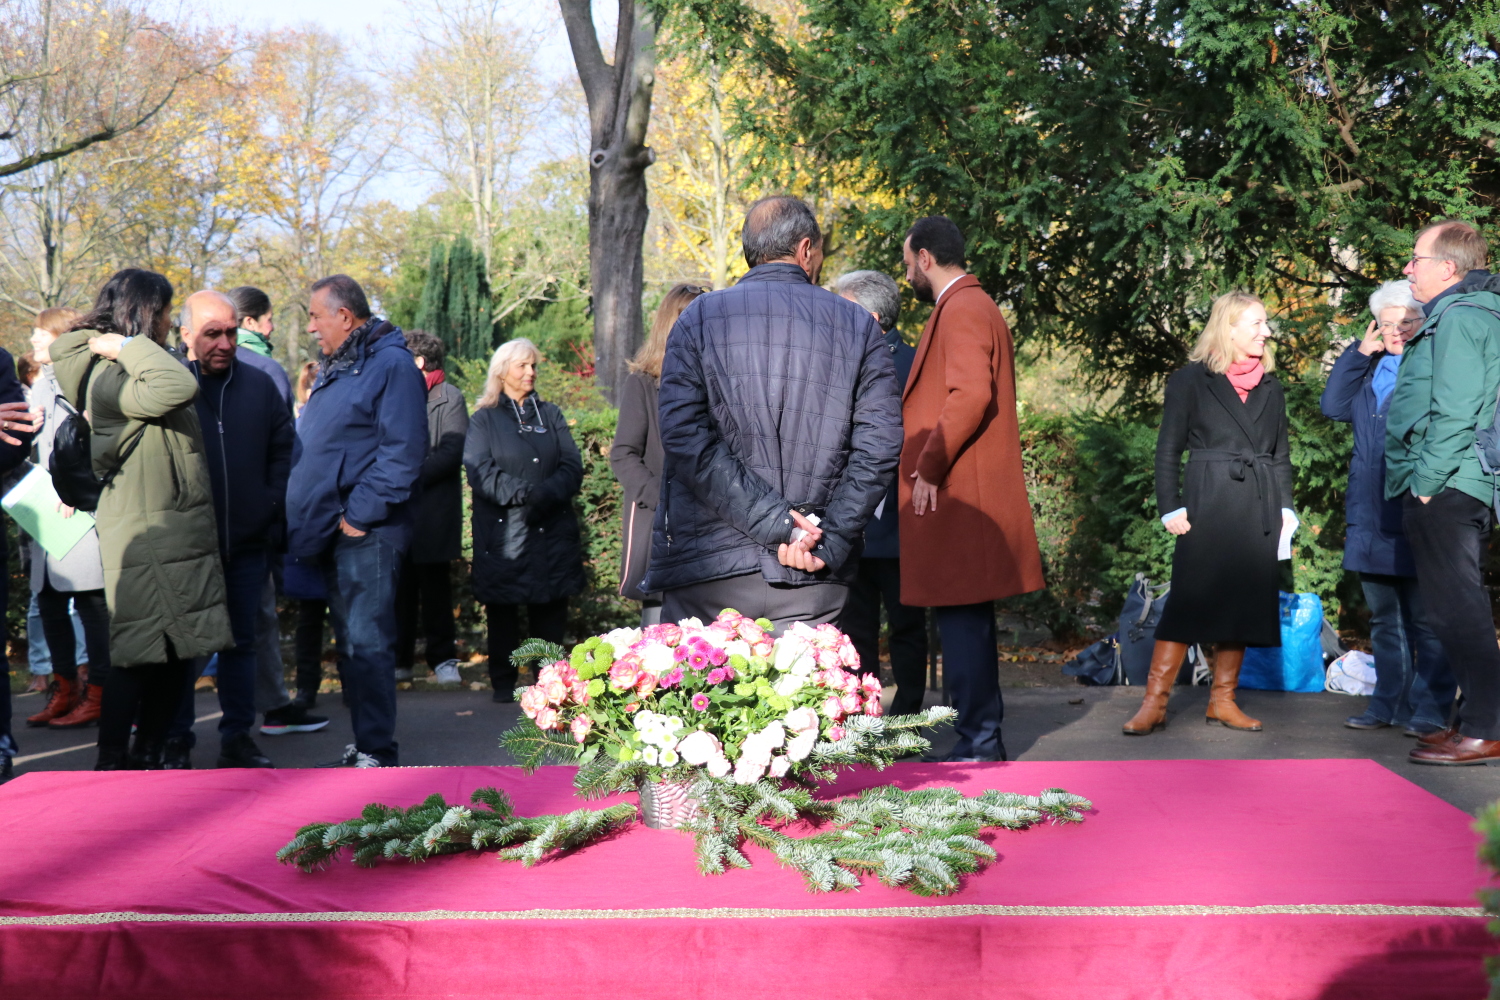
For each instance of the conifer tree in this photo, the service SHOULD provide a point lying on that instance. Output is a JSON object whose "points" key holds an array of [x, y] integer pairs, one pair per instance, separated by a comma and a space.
{"points": [[455, 304]]}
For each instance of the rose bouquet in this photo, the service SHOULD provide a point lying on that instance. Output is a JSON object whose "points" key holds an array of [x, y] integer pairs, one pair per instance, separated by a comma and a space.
{"points": [[736, 723], [675, 702]]}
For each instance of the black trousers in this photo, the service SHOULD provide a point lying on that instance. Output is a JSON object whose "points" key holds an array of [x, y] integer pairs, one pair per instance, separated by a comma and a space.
{"points": [[752, 596], [544, 621], [971, 668], [1449, 536], [879, 581], [147, 694], [57, 626], [426, 585]]}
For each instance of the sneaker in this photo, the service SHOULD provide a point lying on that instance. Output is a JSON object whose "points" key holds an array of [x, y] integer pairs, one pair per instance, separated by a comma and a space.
{"points": [[446, 673], [404, 674], [353, 758], [291, 718]]}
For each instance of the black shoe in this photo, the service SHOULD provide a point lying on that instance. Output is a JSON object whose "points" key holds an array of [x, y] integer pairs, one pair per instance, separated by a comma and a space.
{"points": [[145, 756], [240, 751], [949, 758], [306, 700], [1417, 730], [291, 718], [1366, 721], [112, 759], [506, 697], [178, 755]]}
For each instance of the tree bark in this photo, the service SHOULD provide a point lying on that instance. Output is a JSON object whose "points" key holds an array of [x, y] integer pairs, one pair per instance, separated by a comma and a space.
{"points": [[619, 100]]}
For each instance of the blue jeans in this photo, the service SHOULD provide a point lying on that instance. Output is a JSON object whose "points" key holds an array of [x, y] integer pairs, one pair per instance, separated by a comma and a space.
{"points": [[1413, 684], [360, 574], [244, 577], [971, 672]]}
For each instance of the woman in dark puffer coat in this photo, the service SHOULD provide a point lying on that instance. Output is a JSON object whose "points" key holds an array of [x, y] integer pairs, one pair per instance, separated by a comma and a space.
{"points": [[525, 471]]}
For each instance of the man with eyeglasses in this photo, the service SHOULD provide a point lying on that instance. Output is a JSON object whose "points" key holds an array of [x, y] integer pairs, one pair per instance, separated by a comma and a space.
{"points": [[1445, 389]]}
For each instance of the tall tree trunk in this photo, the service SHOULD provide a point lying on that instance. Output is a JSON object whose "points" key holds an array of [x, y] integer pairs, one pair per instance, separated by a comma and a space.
{"points": [[619, 99]]}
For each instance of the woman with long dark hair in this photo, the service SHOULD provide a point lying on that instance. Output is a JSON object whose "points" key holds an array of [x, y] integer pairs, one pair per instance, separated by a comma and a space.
{"points": [[1227, 511], [636, 456], [162, 578], [525, 471]]}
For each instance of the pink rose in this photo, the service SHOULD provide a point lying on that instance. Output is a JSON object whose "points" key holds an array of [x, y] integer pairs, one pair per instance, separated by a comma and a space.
{"points": [[699, 747], [581, 726], [849, 682], [533, 700], [645, 685], [579, 689], [870, 683], [632, 707], [624, 673], [556, 691], [763, 648], [872, 705], [835, 733], [833, 707], [849, 703], [750, 632], [551, 672], [801, 720], [547, 718], [666, 632]]}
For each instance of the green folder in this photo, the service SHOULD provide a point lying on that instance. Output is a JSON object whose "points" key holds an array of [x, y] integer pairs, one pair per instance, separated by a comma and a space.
{"points": [[34, 506]]}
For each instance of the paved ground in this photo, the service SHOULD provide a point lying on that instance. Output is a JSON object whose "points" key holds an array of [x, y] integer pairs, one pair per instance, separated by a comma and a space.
{"points": [[1042, 723]]}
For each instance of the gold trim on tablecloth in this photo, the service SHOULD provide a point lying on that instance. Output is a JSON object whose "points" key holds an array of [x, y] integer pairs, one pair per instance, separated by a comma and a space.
{"points": [[748, 913]]}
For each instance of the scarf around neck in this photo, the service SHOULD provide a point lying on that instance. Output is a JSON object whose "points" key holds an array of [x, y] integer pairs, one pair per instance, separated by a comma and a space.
{"points": [[434, 377], [1245, 375]]}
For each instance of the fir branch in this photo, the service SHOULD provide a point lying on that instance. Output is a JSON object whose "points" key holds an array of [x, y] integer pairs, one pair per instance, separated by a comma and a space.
{"points": [[532, 747], [534, 651]]}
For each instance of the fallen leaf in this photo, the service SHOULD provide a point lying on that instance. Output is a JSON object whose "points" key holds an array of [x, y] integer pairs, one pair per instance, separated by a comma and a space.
{"points": [[469, 712]]}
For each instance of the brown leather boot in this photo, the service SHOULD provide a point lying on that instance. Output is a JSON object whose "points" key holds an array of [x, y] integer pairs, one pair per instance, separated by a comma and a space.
{"points": [[64, 699], [85, 714], [1221, 706], [1166, 660]]}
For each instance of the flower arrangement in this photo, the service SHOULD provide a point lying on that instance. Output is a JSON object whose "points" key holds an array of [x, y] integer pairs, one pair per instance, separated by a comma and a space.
{"points": [[723, 699], [740, 724]]}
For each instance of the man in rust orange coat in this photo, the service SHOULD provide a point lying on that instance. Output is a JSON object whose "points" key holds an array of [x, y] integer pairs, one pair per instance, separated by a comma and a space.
{"points": [[967, 537]]}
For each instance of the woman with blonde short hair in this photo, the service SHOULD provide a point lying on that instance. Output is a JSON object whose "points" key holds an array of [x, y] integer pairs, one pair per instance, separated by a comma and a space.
{"points": [[1226, 510], [525, 471]]}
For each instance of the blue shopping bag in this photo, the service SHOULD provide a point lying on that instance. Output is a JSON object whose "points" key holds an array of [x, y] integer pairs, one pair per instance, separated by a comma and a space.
{"points": [[1298, 664]]}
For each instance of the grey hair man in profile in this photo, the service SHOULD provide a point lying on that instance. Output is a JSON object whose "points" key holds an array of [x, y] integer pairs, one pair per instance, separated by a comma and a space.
{"points": [[781, 427], [878, 578]]}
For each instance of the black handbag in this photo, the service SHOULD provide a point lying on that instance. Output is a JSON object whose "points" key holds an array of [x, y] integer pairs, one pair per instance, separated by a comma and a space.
{"points": [[72, 461]]}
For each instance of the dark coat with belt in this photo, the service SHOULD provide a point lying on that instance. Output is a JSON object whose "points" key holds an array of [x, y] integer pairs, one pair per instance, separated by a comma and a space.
{"points": [[527, 548], [247, 442], [774, 393], [883, 533], [437, 537], [1239, 476], [962, 434], [1374, 541], [636, 459]]}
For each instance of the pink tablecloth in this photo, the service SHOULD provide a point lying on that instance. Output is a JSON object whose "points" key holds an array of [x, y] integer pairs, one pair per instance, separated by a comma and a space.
{"points": [[1203, 879]]}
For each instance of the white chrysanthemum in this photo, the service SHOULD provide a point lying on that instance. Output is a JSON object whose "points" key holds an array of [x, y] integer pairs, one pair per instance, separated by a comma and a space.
{"points": [[649, 755], [669, 758]]}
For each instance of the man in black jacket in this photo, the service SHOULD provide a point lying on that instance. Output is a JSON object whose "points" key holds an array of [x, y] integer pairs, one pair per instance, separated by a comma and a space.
{"points": [[247, 442], [879, 576], [436, 541], [17, 426], [781, 427]]}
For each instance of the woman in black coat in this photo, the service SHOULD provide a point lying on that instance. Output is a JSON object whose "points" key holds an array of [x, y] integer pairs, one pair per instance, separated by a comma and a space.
{"points": [[524, 470], [1227, 511], [637, 456]]}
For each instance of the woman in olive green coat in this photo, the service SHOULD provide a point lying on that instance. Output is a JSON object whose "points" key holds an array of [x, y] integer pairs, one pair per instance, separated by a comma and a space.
{"points": [[162, 576]]}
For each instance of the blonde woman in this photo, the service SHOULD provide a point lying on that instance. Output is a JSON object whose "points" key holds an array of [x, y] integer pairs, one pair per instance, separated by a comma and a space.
{"points": [[525, 471], [637, 456], [1226, 511]]}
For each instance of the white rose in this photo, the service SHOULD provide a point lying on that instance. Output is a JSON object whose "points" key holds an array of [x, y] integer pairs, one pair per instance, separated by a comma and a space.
{"points": [[800, 720], [700, 747], [718, 766], [688, 623], [789, 650], [779, 766], [788, 684], [737, 647], [656, 658], [801, 745], [622, 639]]}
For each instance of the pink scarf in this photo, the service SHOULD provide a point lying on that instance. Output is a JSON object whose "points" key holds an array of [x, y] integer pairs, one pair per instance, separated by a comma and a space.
{"points": [[1245, 375]]}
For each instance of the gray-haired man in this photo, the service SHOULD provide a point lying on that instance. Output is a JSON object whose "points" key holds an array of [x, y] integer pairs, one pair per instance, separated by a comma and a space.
{"points": [[879, 575]]}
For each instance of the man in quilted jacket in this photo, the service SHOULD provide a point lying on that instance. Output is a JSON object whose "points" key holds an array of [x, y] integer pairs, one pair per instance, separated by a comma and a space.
{"points": [[781, 427]]}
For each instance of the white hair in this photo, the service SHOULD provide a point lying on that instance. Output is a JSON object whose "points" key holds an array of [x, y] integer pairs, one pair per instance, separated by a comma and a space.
{"points": [[506, 355], [1392, 293]]}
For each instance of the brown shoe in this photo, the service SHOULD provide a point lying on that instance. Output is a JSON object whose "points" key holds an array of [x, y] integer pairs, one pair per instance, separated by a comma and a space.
{"points": [[85, 714], [63, 700], [1221, 706], [1458, 750], [1166, 660], [1436, 739]]}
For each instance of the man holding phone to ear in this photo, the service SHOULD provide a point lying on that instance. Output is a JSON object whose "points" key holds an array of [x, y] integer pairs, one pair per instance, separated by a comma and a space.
{"points": [[780, 426]]}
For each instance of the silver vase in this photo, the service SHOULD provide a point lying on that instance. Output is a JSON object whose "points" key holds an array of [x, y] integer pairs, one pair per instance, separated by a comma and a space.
{"points": [[666, 805]]}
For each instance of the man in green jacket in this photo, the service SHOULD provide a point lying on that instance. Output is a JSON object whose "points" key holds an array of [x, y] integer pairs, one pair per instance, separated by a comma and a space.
{"points": [[1445, 389]]}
